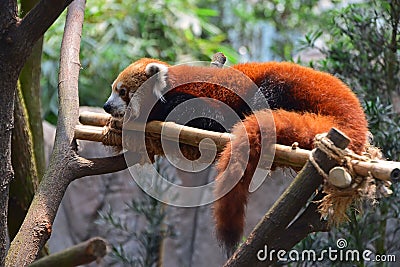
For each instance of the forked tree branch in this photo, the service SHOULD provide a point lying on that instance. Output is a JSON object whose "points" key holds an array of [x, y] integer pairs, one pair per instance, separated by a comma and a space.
{"points": [[38, 20], [97, 166], [37, 226], [8, 13]]}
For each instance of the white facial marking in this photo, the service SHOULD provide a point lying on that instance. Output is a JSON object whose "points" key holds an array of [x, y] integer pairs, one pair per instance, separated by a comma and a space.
{"points": [[117, 104], [134, 106], [161, 83], [119, 85]]}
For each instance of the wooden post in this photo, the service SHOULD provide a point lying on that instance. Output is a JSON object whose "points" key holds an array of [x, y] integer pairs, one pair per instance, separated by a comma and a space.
{"points": [[274, 223]]}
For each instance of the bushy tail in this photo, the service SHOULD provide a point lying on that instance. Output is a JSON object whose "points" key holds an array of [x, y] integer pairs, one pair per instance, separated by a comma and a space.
{"points": [[229, 211]]}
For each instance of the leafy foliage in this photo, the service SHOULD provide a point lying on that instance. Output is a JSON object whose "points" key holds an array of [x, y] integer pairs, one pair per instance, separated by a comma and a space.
{"points": [[116, 33], [272, 27], [363, 49]]}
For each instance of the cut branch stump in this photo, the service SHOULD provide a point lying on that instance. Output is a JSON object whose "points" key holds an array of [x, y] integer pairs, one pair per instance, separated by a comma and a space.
{"points": [[83, 253]]}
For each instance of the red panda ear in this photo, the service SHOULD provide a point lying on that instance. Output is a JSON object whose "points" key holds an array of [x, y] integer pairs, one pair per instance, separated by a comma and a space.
{"points": [[153, 68], [161, 79]]}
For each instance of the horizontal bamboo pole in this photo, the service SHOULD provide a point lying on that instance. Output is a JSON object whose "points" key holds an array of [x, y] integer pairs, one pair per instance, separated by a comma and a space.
{"points": [[93, 118], [284, 155], [184, 134], [90, 133]]}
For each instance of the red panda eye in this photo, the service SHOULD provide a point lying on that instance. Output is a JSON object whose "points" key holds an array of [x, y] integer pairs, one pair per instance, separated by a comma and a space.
{"points": [[122, 92]]}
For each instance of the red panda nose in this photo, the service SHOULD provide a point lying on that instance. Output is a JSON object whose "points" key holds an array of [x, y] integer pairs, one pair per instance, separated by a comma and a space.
{"points": [[107, 107]]}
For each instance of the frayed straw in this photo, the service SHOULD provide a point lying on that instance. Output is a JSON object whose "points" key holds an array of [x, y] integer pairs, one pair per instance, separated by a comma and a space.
{"points": [[334, 205], [112, 136], [336, 202]]}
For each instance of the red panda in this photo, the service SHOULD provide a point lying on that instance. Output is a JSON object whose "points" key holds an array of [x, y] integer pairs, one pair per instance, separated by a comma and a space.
{"points": [[304, 102]]}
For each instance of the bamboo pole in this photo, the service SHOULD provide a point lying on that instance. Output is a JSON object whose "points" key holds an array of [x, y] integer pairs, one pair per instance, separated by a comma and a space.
{"points": [[284, 155], [93, 118], [90, 133]]}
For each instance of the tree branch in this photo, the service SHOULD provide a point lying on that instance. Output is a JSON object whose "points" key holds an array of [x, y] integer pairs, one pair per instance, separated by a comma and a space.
{"points": [[8, 14], [68, 112], [98, 166], [274, 223], [308, 222], [82, 253], [36, 228], [38, 20]]}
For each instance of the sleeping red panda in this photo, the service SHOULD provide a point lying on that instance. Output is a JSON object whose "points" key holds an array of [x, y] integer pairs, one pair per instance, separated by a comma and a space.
{"points": [[304, 102]]}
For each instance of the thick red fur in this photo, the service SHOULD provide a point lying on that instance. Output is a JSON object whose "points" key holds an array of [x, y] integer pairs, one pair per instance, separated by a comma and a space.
{"points": [[304, 103], [329, 103], [315, 92], [222, 84]]}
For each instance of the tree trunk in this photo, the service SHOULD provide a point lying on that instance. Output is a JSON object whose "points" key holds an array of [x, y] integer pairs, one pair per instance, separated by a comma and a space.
{"points": [[30, 87], [25, 182], [8, 80], [10, 66], [27, 138], [6, 125], [16, 41], [64, 163]]}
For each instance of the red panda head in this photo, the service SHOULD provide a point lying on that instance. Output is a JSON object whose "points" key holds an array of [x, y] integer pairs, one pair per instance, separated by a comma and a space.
{"points": [[125, 87]]}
